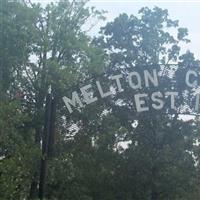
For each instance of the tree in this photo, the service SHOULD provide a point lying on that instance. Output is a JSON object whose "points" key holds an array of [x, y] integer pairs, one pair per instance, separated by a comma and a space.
{"points": [[44, 46], [18, 152], [158, 163], [47, 46]]}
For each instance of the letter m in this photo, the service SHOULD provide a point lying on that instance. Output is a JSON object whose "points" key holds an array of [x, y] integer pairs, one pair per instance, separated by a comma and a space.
{"points": [[74, 101]]}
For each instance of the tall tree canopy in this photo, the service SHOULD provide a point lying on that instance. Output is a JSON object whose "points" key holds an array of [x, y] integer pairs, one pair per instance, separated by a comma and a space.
{"points": [[105, 150]]}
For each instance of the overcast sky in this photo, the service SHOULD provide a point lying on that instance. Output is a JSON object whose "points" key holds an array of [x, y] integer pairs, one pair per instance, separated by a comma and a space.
{"points": [[187, 12]]}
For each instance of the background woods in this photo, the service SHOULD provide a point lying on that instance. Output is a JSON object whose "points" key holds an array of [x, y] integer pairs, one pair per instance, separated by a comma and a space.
{"points": [[105, 151]]}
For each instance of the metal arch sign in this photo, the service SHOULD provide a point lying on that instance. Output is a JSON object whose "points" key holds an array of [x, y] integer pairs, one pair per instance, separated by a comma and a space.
{"points": [[136, 81]]}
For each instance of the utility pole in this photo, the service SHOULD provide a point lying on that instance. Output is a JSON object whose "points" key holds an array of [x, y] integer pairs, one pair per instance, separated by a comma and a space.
{"points": [[47, 141]]}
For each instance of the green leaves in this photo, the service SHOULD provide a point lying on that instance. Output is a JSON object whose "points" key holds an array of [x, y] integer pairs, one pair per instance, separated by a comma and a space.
{"points": [[107, 151], [18, 152]]}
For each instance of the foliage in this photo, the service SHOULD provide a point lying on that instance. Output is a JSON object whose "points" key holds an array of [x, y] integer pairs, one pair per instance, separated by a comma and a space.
{"points": [[43, 46]]}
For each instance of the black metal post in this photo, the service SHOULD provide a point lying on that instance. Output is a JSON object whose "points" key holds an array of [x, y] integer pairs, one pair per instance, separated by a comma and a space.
{"points": [[47, 141], [52, 129]]}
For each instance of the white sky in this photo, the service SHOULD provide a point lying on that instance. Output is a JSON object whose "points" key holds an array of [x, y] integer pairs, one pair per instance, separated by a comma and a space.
{"points": [[187, 12]]}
